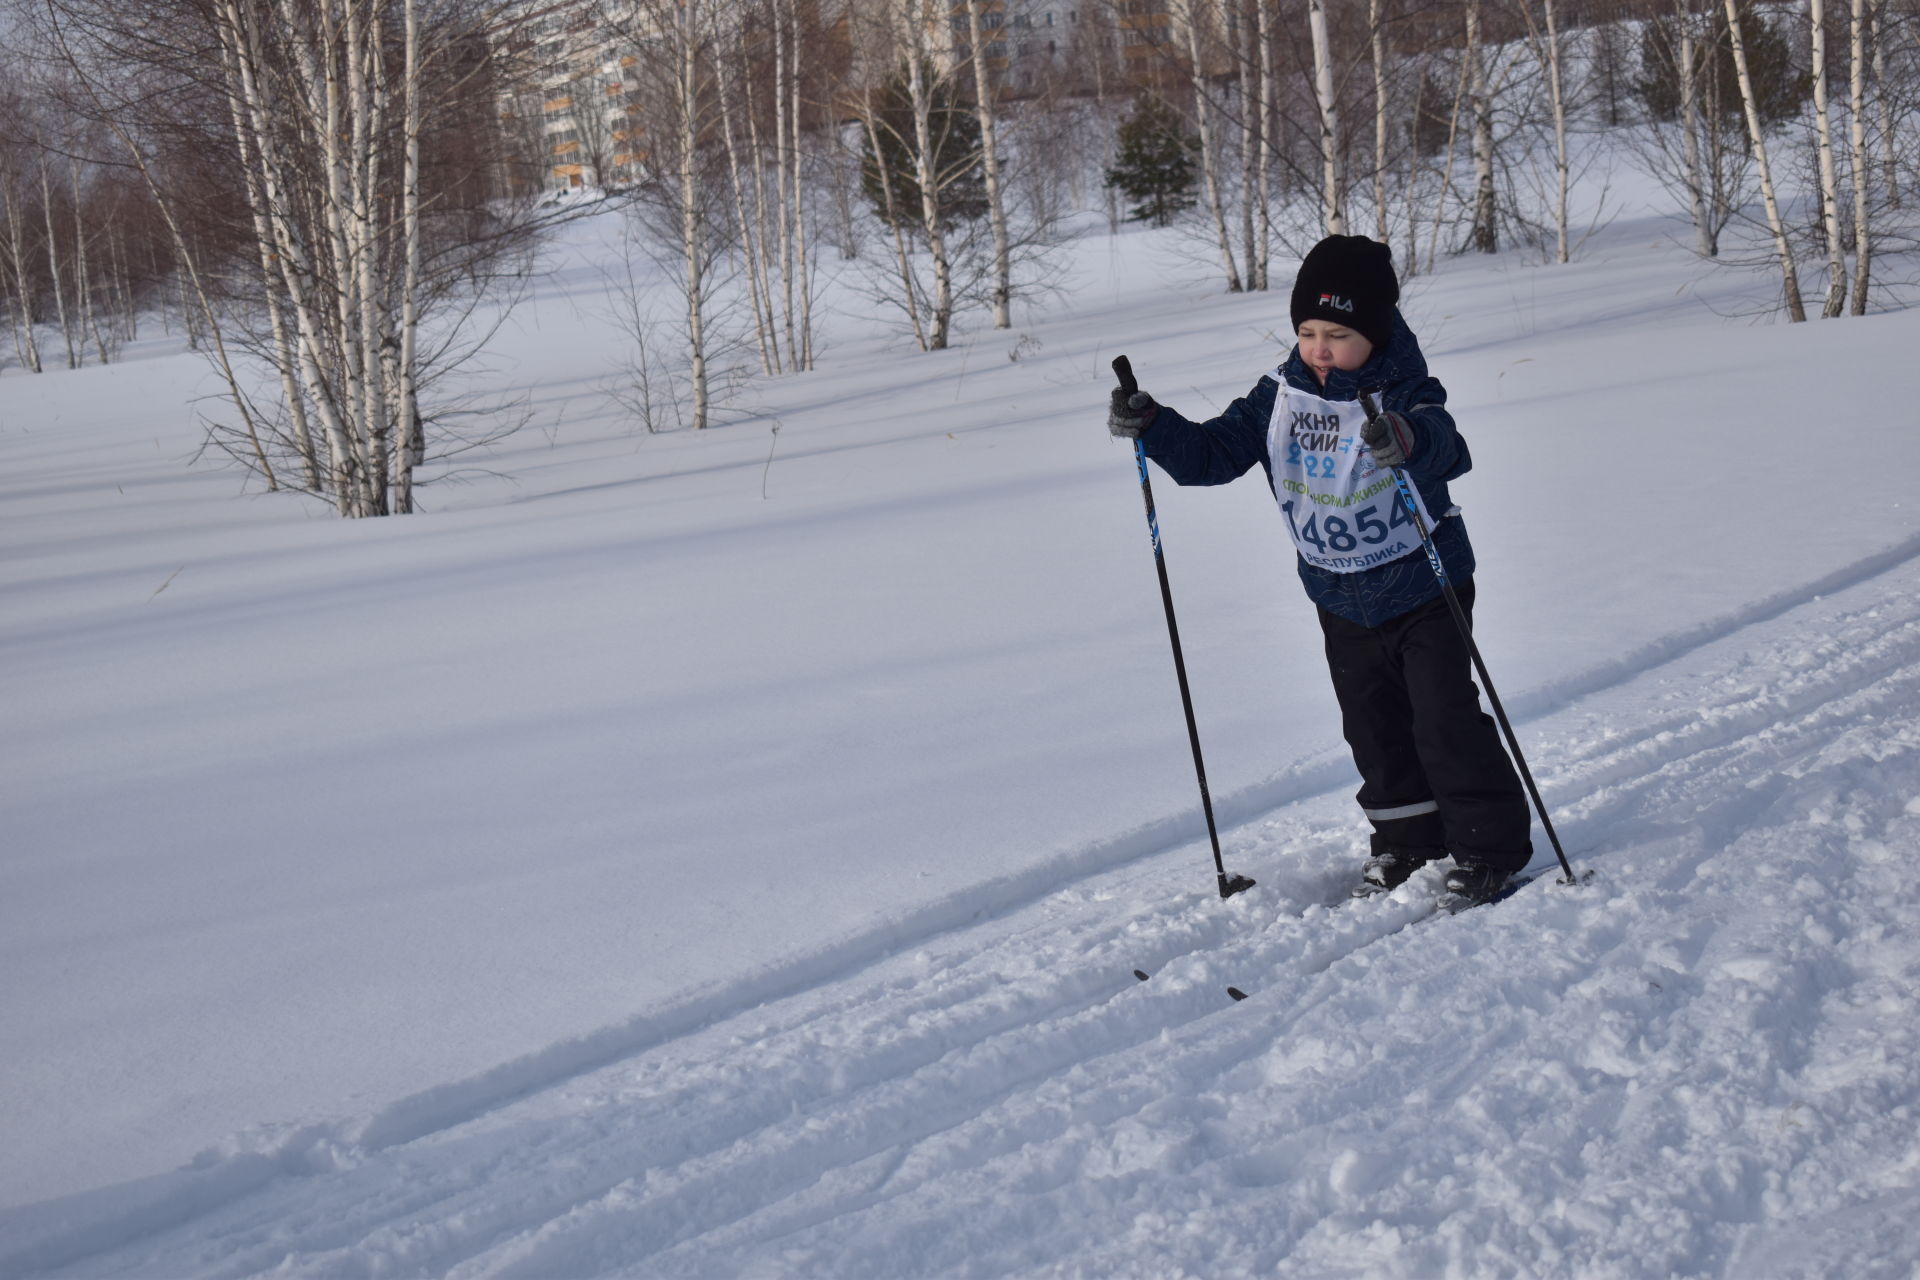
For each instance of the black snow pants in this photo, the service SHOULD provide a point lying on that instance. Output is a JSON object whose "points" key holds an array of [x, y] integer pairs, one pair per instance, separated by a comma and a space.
{"points": [[1435, 776]]}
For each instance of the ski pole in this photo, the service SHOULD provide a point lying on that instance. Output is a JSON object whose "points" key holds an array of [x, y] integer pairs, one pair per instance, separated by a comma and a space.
{"points": [[1405, 487], [1229, 884]]}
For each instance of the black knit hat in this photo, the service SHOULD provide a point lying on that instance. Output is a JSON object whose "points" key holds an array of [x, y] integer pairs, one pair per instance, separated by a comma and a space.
{"points": [[1348, 280]]}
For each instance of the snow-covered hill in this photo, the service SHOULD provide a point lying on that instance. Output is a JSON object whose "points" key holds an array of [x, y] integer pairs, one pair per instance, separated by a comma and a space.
{"points": [[676, 863]]}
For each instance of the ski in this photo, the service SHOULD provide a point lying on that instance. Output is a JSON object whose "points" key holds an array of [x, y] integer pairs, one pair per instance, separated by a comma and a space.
{"points": [[1449, 905]]}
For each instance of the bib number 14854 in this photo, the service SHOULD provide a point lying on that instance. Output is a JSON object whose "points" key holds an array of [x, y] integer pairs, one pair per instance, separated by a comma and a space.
{"points": [[1333, 533]]}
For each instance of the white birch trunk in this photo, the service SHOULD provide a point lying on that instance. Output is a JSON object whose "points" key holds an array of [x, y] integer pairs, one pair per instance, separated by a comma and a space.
{"points": [[1410, 260], [284, 356], [687, 91], [346, 363], [13, 326], [1884, 101], [801, 245], [996, 208], [1705, 240], [1269, 95], [183, 306], [765, 238], [127, 319], [1559, 132], [366, 94], [1244, 76], [926, 173], [53, 267], [82, 276], [1862, 161], [1829, 179], [413, 449], [1330, 216], [298, 271], [1377, 40], [781, 101], [1486, 231], [1209, 152], [17, 262], [1790, 279], [751, 236], [115, 284]]}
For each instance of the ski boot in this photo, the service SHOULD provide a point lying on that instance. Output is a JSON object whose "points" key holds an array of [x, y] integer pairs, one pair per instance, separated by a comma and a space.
{"points": [[1390, 868], [1475, 882]]}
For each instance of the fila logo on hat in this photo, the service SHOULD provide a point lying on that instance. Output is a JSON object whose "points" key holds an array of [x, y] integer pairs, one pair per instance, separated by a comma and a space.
{"points": [[1336, 302]]}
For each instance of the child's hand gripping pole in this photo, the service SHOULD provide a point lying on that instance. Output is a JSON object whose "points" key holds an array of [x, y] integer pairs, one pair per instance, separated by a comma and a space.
{"points": [[1229, 884], [1405, 487]]}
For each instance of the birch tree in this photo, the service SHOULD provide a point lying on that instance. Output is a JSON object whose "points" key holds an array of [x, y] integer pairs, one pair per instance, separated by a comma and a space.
{"points": [[743, 175], [1546, 47], [1246, 89], [1706, 233], [1696, 137], [1443, 175], [802, 278], [990, 169], [1486, 231], [1884, 100], [54, 274], [1191, 18], [923, 172], [1377, 46], [355, 139], [790, 187], [1789, 272], [929, 178], [889, 202], [20, 276], [676, 44], [1331, 218], [78, 207], [761, 94], [1829, 177], [1264, 104], [1862, 160], [684, 115]]}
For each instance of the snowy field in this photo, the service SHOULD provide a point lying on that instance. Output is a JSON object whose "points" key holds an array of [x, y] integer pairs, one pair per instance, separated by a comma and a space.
{"points": [[657, 860]]}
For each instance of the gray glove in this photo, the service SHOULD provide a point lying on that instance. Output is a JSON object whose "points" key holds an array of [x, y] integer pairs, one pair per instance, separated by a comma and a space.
{"points": [[1389, 438], [1130, 414]]}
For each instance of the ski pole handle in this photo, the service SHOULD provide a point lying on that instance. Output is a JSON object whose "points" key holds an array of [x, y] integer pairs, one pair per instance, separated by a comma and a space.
{"points": [[1366, 402], [1123, 370]]}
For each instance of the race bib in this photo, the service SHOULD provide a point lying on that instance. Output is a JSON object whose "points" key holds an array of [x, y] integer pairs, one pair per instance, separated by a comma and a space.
{"points": [[1342, 508]]}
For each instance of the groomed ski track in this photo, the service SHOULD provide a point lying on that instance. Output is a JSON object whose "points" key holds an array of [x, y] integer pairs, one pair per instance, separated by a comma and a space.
{"points": [[1696, 1062]]}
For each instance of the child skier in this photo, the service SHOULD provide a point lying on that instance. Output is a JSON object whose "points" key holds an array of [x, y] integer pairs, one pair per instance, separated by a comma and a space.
{"points": [[1435, 780]]}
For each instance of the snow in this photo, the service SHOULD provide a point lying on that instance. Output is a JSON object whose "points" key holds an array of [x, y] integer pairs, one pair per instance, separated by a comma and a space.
{"points": [[656, 860]]}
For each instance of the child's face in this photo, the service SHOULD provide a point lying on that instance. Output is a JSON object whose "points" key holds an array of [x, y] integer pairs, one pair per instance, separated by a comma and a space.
{"points": [[1325, 345]]}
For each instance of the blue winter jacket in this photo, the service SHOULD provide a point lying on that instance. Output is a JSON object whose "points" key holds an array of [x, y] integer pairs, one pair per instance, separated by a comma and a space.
{"points": [[1224, 448]]}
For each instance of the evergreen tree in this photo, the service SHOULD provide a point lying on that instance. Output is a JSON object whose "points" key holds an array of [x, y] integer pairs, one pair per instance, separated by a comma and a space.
{"points": [[1777, 83], [1154, 167], [953, 130]]}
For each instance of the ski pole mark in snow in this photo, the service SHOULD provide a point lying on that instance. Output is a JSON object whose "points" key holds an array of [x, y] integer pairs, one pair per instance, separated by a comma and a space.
{"points": [[1710, 1055]]}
